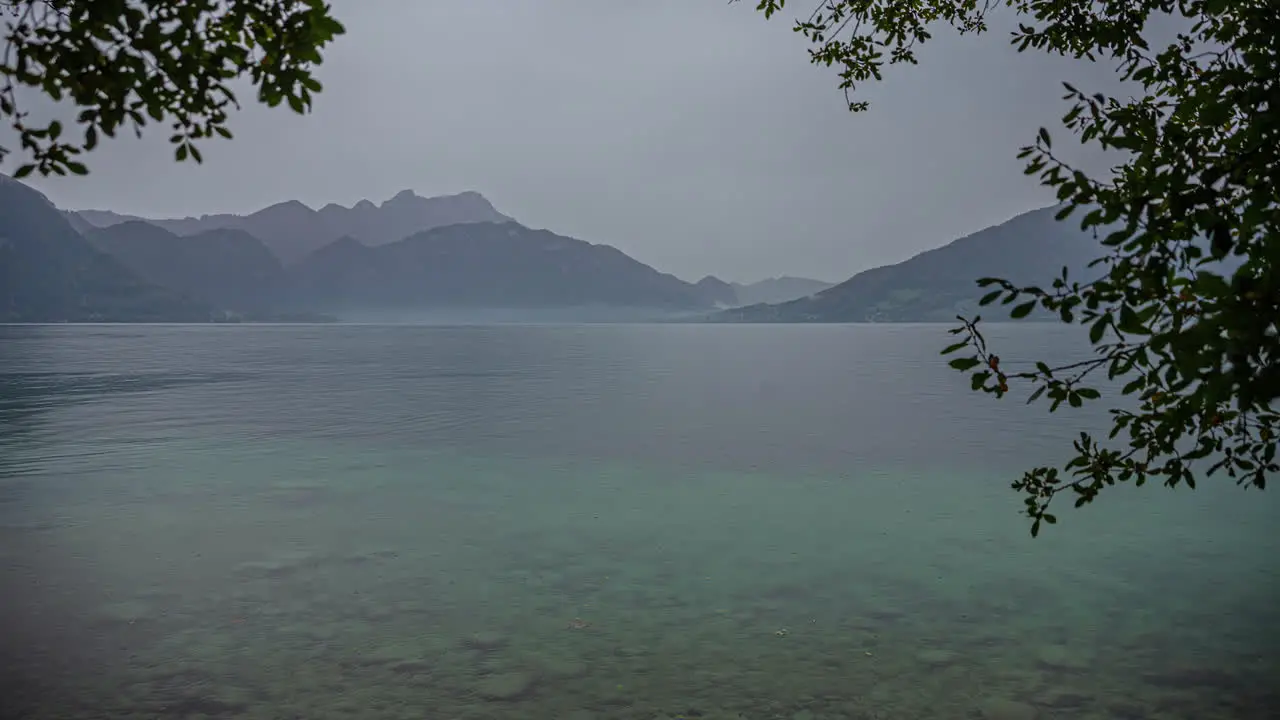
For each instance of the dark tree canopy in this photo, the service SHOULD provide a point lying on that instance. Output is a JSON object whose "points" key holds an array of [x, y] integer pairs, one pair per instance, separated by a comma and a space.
{"points": [[127, 62], [1184, 311]]}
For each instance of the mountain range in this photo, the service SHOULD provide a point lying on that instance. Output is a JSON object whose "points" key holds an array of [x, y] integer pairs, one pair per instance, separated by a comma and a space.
{"points": [[411, 255], [483, 265], [408, 254], [292, 231], [937, 285]]}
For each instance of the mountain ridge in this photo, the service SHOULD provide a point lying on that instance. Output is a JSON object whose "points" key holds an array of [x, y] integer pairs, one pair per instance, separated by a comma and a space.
{"points": [[777, 289], [493, 265], [50, 273], [940, 283], [232, 274], [226, 268], [291, 229], [497, 263]]}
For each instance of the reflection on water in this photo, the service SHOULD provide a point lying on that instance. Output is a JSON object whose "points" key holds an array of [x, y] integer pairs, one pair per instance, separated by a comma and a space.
{"points": [[587, 522]]}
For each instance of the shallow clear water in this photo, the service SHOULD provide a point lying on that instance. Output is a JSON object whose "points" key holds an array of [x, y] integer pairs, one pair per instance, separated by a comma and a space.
{"points": [[590, 522]]}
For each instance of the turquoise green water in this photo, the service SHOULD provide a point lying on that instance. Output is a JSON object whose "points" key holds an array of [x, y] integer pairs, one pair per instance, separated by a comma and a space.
{"points": [[588, 522]]}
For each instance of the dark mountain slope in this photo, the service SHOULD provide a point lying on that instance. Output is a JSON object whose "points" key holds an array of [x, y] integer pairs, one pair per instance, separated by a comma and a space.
{"points": [[938, 284], [341, 275], [228, 269], [484, 265], [50, 273]]}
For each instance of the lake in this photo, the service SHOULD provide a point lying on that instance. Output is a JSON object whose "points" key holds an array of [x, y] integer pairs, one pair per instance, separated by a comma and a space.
{"points": [[592, 521]]}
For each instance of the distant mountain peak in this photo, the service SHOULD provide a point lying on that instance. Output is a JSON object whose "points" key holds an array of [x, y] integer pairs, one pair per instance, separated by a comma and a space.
{"points": [[296, 206], [717, 291], [402, 197], [781, 288], [292, 229], [409, 196]]}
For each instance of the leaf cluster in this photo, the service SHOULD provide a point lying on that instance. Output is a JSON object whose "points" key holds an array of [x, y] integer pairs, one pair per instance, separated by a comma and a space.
{"points": [[1184, 300], [127, 62]]}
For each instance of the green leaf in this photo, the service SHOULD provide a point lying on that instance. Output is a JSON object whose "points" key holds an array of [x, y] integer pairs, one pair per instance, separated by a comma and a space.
{"points": [[952, 348], [963, 364], [1130, 322], [1098, 328], [1023, 310]]}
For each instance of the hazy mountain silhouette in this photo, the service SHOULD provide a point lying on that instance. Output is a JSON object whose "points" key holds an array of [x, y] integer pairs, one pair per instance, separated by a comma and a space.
{"points": [[50, 273], [228, 269], [771, 290], [777, 290], [291, 230], [483, 265], [718, 292], [936, 285]]}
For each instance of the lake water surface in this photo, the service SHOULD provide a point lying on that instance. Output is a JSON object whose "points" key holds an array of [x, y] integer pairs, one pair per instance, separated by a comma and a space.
{"points": [[575, 522]]}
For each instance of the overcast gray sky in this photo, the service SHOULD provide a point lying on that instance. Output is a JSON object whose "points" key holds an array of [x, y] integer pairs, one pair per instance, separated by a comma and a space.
{"points": [[692, 134]]}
